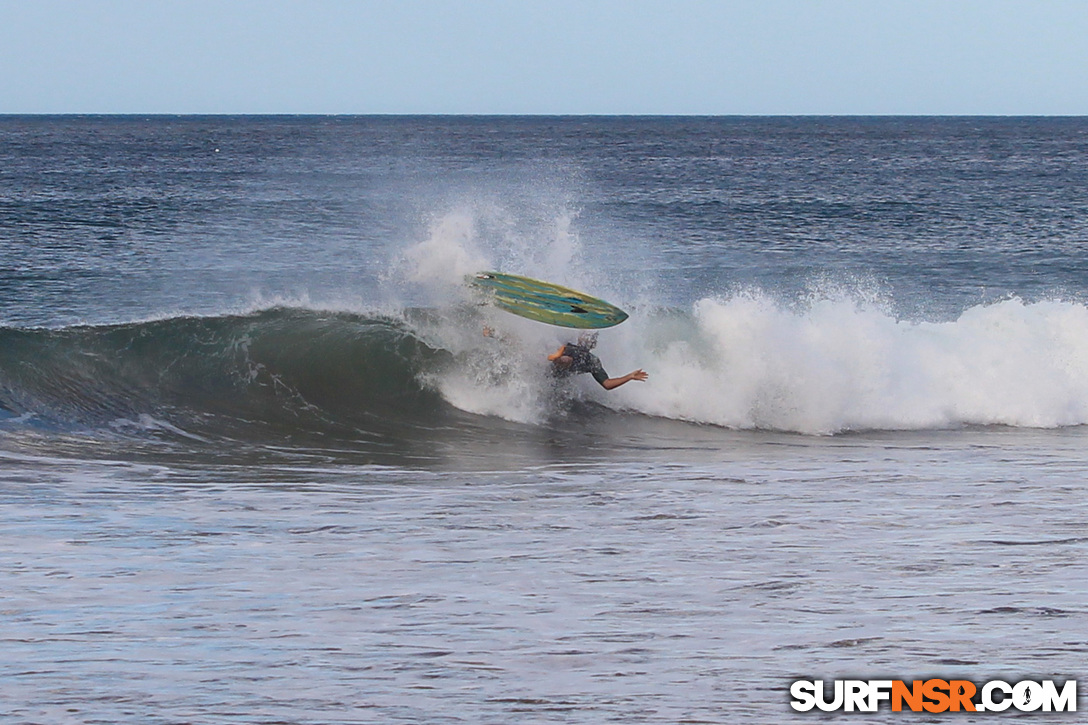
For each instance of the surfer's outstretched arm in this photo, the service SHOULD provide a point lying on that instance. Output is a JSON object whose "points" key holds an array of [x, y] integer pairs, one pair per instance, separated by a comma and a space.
{"points": [[612, 383]]}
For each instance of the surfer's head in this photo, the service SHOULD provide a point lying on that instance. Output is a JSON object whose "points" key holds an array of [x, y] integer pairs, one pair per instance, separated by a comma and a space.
{"points": [[588, 340]]}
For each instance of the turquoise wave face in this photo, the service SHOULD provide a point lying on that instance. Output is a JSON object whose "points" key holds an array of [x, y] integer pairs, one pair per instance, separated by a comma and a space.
{"points": [[276, 367]]}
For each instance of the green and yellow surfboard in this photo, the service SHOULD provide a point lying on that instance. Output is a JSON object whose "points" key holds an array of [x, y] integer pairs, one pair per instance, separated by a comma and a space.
{"points": [[546, 302]]}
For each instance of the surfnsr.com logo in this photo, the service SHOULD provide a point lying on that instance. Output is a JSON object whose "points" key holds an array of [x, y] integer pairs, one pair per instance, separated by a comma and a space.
{"points": [[934, 695]]}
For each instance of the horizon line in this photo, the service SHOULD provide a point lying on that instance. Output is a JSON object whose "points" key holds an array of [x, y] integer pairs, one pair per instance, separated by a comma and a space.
{"points": [[317, 114]]}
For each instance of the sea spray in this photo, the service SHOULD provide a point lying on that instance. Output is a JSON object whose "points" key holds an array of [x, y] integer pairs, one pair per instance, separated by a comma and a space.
{"points": [[484, 236], [503, 374], [448, 253], [835, 359]]}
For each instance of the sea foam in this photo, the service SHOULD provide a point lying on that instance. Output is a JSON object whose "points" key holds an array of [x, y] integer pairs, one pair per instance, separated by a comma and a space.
{"points": [[836, 361], [833, 365]]}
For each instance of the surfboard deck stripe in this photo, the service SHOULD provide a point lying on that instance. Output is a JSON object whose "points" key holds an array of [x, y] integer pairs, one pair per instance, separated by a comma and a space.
{"points": [[546, 302]]}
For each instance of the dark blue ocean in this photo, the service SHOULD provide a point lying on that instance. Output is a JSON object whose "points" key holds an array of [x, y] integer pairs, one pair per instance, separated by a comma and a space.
{"points": [[258, 464]]}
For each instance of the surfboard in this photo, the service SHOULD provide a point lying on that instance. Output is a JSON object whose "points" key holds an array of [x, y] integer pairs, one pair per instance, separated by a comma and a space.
{"points": [[546, 302]]}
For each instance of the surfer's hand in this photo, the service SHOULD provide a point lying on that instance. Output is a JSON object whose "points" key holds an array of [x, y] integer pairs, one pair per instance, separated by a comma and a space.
{"points": [[613, 383], [488, 332]]}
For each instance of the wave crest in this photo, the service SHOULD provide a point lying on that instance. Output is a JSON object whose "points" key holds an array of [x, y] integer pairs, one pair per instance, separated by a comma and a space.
{"points": [[838, 365], [744, 362]]}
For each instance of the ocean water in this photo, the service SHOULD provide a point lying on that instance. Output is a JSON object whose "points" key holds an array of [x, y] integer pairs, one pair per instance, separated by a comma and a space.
{"points": [[258, 464]]}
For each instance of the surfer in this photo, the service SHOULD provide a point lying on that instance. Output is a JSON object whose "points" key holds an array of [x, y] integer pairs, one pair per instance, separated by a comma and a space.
{"points": [[574, 358]]}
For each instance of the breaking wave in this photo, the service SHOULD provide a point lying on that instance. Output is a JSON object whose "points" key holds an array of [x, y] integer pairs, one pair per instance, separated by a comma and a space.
{"points": [[837, 364], [277, 367], [745, 361]]}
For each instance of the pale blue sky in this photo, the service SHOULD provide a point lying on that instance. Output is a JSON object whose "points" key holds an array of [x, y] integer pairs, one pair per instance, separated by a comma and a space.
{"points": [[557, 56]]}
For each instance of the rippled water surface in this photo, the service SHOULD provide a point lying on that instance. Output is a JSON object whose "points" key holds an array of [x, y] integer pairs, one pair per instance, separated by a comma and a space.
{"points": [[634, 592], [258, 464]]}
